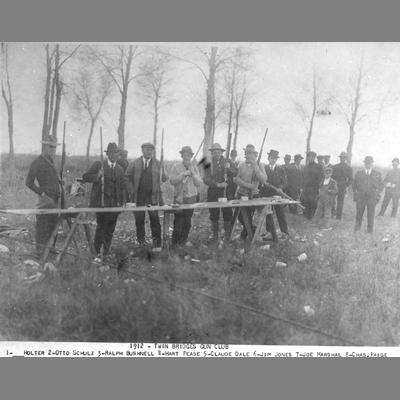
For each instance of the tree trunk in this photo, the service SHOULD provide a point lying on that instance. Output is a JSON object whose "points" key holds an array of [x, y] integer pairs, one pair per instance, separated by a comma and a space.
{"points": [[209, 121], [155, 125], [58, 85], [46, 94], [314, 110], [237, 118], [92, 123], [231, 107], [350, 144], [124, 99]]}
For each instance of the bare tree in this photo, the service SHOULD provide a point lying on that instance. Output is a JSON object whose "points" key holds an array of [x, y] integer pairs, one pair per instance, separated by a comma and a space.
{"points": [[154, 84], [308, 108], [209, 63], [55, 59], [8, 99], [351, 108], [119, 65], [90, 92]]}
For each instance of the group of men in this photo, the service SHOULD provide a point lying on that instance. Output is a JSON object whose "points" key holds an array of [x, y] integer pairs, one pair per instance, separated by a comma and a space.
{"points": [[319, 187]]}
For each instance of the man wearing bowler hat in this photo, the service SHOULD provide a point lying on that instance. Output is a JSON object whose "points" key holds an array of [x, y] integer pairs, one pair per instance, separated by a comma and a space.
{"points": [[367, 186], [392, 191], [277, 177], [112, 176], [313, 174], [44, 172], [143, 182], [342, 173], [216, 178], [294, 176]]}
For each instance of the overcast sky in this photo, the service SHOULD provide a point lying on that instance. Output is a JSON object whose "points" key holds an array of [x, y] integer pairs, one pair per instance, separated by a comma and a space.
{"points": [[282, 74]]}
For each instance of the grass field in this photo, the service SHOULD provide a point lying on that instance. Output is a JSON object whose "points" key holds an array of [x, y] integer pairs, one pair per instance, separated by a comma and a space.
{"points": [[348, 286]]}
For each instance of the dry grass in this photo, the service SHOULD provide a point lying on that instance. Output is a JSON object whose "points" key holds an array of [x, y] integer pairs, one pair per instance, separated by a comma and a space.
{"points": [[351, 282]]}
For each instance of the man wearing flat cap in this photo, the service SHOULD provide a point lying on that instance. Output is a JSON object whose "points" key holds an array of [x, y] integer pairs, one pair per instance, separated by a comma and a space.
{"points": [[367, 186], [277, 177], [294, 176], [186, 179], [44, 172], [248, 178], [392, 191], [143, 182], [216, 178], [342, 173], [313, 174], [111, 175]]}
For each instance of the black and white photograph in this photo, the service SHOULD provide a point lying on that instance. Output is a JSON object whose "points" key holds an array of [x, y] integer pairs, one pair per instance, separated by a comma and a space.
{"points": [[225, 193]]}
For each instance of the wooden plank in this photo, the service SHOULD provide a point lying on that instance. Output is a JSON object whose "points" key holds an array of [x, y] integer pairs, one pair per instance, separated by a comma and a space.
{"points": [[168, 207], [247, 223], [88, 235]]}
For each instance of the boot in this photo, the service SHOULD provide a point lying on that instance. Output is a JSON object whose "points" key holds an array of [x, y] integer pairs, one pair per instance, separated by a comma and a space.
{"points": [[227, 229], [214, 227]]}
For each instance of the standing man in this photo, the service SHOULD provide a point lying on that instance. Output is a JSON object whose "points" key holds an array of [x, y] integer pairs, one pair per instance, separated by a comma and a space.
{"points": [[367, 186], [327, 192], [186, 179], [44, 172], [250, 174], [327, 161], [294, 176], [232, 172], [277, 177], [216, 178], [123, 160], [143, 182], [392, 191], [114, 196], [342, 173], [321, 161], [313, 174], [287, 160]]}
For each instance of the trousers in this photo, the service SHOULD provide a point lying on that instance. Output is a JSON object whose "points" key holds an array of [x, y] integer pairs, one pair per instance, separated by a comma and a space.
{"points": [[104, 231], [45, 225], [154, 222], [212, 195], [390, 195], [362, 204]]}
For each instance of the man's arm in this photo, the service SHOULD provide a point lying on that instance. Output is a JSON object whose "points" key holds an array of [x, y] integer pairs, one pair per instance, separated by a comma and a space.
{"points": [[30, 179], [129, 176]]}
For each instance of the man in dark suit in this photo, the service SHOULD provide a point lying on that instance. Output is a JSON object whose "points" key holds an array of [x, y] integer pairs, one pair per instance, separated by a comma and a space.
{"points": [[111, 175], [367, 186], [313, 174], [392, 191], [44, 172], [343, 175], [143, 182], [277, 177], [294, 176]]}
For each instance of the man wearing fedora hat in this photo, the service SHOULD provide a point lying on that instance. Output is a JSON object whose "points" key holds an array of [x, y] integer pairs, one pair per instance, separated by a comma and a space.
{"points": [[313, 174], [286, 161], [143, 182], [367, 186], [248, 178], [294, 176], [392, 191], [216, 178], [186, 179], [114, 195], [277, 177], [342, 173], [44, 172]]}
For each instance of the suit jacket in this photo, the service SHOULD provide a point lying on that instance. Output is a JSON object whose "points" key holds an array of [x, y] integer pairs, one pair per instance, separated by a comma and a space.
{"points": [[276, 177], [367, 187], [294, 177], [343, 175], [114, 185], [133, 174], [313, 174]]}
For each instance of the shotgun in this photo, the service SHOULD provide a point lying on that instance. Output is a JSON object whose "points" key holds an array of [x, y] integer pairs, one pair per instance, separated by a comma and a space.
{"points": [[102, 167], [62, 166]]}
